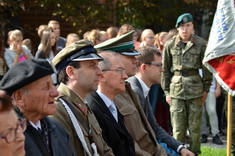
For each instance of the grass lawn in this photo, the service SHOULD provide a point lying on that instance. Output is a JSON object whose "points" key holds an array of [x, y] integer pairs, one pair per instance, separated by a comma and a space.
{"points": [[208, 151]]}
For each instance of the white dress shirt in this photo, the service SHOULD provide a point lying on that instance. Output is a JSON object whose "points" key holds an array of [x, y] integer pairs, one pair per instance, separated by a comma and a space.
{"points": [[110, 104]]}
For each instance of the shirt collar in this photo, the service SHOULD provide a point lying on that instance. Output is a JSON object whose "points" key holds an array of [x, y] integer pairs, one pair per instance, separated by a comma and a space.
{"points": [[144, 87], [106, 100], [37, 125]]}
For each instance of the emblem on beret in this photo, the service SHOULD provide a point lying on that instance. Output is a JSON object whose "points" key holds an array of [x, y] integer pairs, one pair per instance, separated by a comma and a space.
{"points": [[185, 19]]}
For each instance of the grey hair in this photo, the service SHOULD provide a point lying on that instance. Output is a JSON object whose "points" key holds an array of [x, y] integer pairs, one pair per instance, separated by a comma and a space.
{"points": [[25, 90], [105, 64]]}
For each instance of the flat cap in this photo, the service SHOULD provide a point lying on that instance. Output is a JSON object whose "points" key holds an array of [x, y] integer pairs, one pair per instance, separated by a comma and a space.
{"points": [[184, 18], [78, 51], [24, 73], [122, 44]]}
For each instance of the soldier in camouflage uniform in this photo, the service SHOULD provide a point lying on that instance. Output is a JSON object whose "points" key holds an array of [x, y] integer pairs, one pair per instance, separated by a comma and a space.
{"points": [[185, 90]]}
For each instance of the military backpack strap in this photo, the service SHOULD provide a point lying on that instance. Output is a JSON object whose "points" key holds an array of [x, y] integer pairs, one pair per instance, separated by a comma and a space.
{"points": [[91, 137]]}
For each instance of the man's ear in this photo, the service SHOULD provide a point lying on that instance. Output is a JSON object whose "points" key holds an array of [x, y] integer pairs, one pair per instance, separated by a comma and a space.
{"points": [[18, 98], [102, 76], [70, 71], [143, 67]]}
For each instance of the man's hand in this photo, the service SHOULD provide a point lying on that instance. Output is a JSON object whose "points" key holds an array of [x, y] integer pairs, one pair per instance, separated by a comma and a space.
{"points": [[186, 152], [168, 100], [204, 98]]}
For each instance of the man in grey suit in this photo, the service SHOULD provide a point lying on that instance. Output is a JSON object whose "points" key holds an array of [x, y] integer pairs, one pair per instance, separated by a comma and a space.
{"points": [[149, 70]]}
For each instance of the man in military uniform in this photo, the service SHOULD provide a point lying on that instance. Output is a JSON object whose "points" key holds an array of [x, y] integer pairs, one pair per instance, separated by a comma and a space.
{"points": [[78, 74], [185, 90]]}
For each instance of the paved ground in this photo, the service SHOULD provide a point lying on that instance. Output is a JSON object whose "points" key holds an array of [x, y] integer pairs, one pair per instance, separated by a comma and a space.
{"points": [[210, 144]]}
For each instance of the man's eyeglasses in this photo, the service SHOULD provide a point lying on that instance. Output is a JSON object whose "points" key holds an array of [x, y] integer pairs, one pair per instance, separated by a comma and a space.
{"points": [[120, 70], [10, 135], [155, 64]]}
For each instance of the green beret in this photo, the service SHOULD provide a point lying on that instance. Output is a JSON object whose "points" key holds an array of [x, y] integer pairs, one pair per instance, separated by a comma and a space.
{"points": [[122, 44], [78, 51], [185, 18], [24, 73]]}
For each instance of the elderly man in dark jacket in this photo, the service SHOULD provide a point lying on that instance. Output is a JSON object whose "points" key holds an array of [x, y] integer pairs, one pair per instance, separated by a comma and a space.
{"points": [[112, 82], [31, 86]]}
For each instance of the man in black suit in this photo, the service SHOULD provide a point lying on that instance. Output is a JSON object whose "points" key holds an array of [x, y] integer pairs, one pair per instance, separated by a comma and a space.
{"points": [[149, 69], [112, 82]]}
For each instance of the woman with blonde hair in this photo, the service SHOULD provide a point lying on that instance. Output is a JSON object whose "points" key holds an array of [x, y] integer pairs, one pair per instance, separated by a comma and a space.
{"points": [[16, 53]]}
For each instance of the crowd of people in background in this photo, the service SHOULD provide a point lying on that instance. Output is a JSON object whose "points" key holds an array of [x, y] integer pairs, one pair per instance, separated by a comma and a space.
{"points": [[53, 47]]}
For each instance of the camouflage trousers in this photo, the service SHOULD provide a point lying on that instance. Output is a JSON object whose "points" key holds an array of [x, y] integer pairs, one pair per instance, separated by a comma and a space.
{"points": [[187, 114]]}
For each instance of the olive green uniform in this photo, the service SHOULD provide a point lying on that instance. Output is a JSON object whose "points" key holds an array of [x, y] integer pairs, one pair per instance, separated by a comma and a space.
{"points": [[182, 82], [86, 115]]}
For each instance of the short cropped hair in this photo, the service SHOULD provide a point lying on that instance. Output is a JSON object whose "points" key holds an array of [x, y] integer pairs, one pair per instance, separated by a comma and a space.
{"points": [[105, 64], [147, 54], [62, 75]]}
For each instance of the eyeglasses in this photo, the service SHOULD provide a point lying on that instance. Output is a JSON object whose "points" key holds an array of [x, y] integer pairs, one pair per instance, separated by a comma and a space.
{"points": [[151, 38], [10, 135], [120, 70], [155, 64]]}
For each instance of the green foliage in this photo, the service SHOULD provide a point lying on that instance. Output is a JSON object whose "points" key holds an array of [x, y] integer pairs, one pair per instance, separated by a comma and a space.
{"points": [[86, 14], [8, 9], [207, 151]]}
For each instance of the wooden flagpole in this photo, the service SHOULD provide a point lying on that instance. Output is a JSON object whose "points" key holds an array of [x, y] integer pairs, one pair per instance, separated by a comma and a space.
{"points": [[229, 125]]}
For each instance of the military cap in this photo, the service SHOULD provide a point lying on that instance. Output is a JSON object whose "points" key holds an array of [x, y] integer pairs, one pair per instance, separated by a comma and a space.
{"points": [[78, 51], [184, 18], [24, 73], [122, 44]]}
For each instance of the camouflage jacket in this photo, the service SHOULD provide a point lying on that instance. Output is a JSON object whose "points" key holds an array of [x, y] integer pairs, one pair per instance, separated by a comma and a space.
{"points": [[181, 62]]}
